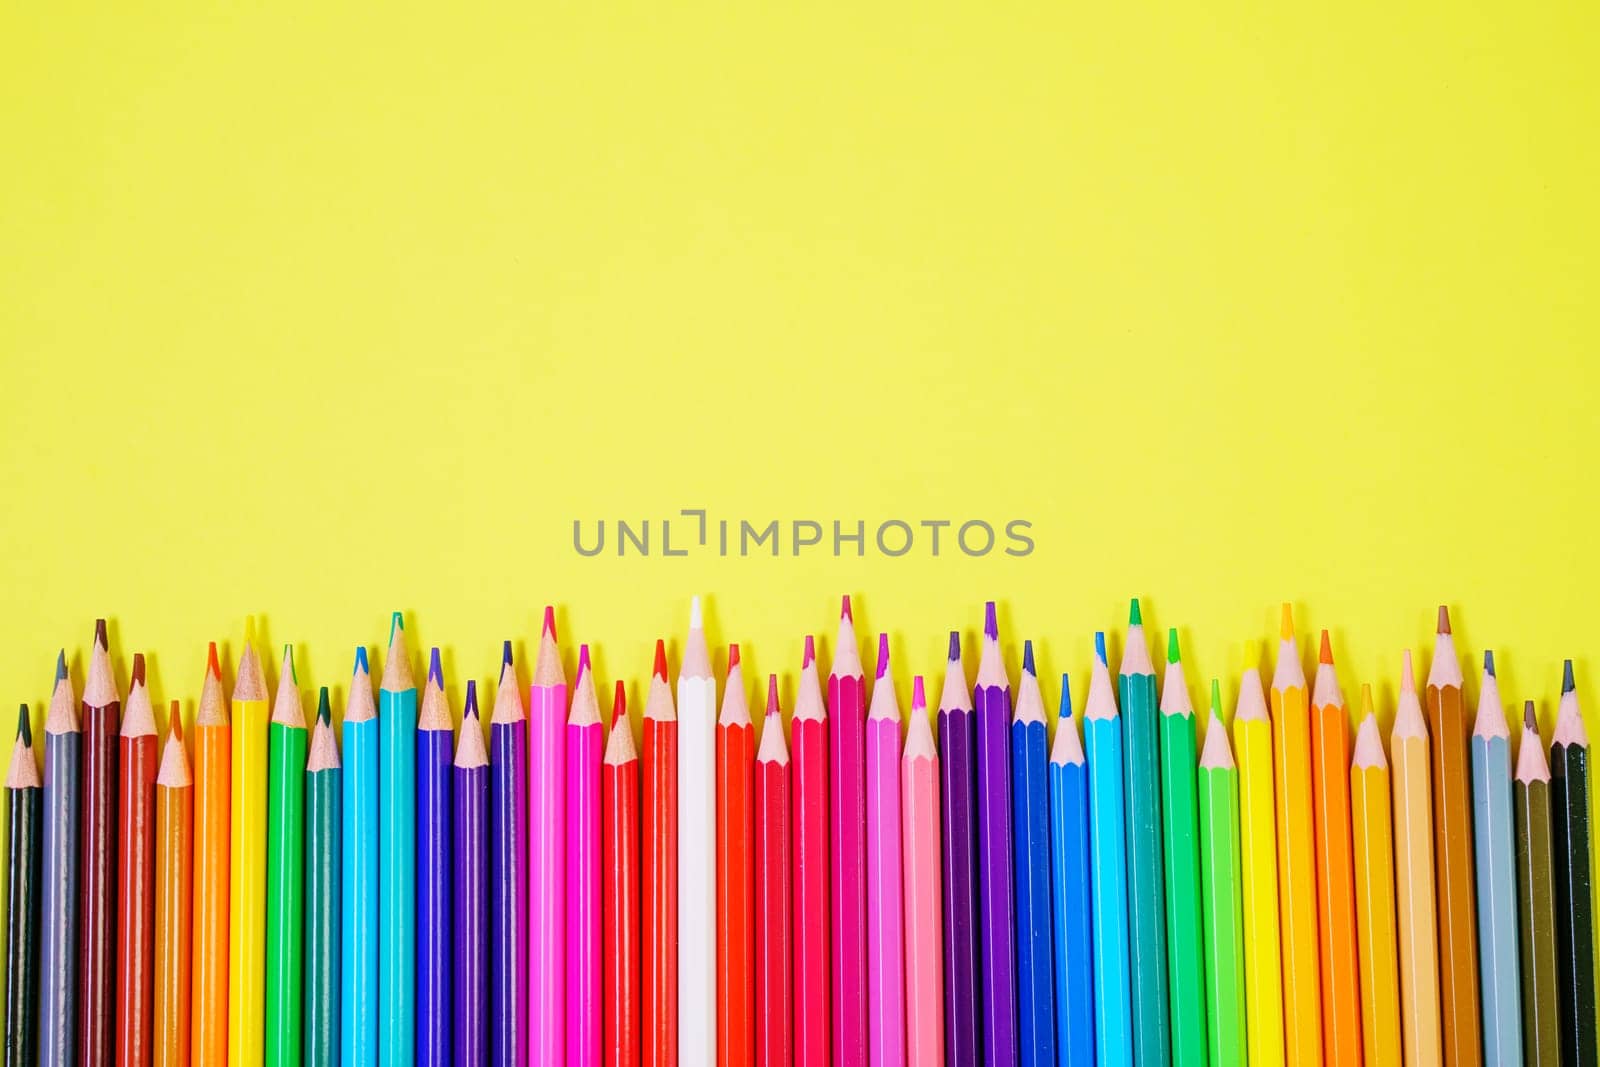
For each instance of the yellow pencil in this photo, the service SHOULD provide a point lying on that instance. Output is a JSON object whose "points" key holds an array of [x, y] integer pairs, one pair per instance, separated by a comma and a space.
{"points": [[1263, 974], [1413, 862], [1297, 872], [1374, 868], [247, 921]]}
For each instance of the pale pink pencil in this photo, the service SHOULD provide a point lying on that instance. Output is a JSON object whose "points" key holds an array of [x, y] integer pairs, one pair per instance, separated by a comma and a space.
{"points": [[886, 1006], [924, 939], [547, 838], [585, 738]]}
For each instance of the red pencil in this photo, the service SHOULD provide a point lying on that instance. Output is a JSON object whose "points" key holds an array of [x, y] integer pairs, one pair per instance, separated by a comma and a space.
{"points": [[659, 889], [811, 896], [735, 937], [136, 873], [97, 858], [774, 914], [619, 891]]}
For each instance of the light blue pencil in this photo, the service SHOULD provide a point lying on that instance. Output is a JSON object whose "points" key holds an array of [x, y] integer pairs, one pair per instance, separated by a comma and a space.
{"points": [[1492, 825], [1102, 731], [397, 854], [358, 1002]]}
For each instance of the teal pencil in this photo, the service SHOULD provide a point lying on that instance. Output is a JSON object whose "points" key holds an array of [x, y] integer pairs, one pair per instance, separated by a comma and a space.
{"points": [[1496, 856], [358, 956], [1102, 736], [1147, 923], [397, 852]]}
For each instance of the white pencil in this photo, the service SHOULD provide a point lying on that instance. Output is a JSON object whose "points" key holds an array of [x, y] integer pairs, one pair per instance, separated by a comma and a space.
{"points": [[697, 833]]}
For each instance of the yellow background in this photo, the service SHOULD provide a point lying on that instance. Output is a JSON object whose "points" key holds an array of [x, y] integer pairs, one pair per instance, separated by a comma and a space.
{"points": [[317, 311]]}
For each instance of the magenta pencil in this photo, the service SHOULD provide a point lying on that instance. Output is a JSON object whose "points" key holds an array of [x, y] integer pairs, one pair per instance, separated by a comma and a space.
{"points": [[886, 1014], [847, 792], [585, 739], [774, 957], [547, 838], [809, 730]]}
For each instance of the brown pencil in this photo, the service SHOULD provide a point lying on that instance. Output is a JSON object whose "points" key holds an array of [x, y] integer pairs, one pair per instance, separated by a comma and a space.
{"points": [[1541, 1038], [97, 851]]}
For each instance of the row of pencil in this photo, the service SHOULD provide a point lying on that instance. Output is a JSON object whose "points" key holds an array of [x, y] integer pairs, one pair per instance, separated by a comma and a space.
{"points": [[852, 894]]}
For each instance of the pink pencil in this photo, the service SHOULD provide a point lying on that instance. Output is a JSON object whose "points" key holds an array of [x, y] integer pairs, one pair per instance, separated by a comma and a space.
{"points": [[847, 789], [585, 738], [886, 1015], [547, 838], [924, 938]]}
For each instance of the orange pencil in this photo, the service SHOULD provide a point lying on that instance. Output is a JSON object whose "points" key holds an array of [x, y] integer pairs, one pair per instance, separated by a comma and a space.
{"points": [[1414, 889], [735, 876], [658, 854], [1336, 912], [174, 873], [1297, 871], [213, 811], [1374, 873]]}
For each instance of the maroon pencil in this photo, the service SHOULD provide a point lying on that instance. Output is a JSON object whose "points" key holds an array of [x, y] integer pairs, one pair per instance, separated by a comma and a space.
{"points": [[97, 858], [136, 872]]}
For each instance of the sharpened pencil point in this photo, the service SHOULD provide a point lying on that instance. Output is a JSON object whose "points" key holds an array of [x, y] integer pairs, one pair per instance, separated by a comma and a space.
{"points": [[361, 659], [1366, 699], [288, 662], [1100, 646], [1325, 653], [1488, 662], [61, 664], [175, 722], [583, 658], [844, 609], [809, 657], [1567, 684], [1027, 658], [435, 671], [919, 694], [1530, 721], [991, 625], [1172, 645], [24, 728], [1286, 622], [772, 695], [549, 626], [397, 624], [1408, 681], [1216, 699], [213, 668], [1135, 616], [137, 677], [619, 704], [883, 657], [325, 711], [469, 711], [733, 656], [1444, 619], [955, 646], [660, 668], [100, 633], [1065, 707]]}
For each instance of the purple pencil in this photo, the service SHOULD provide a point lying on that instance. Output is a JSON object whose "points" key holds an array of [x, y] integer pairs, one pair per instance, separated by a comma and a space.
{"points": [[585, 739], [471, 802], [508, 872], [435, 910], [958, 803], [997, 922]]}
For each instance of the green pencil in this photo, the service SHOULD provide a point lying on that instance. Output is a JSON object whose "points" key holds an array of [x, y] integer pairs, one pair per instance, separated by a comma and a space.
{"points": [[1221, 902], [286, 768], [1179, 832], [1541, 1040], [324, 854]]}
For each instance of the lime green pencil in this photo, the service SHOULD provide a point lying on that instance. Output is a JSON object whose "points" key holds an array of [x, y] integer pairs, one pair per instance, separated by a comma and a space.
{"points": [[1185, 974], [1221, 903], [286, 762]]}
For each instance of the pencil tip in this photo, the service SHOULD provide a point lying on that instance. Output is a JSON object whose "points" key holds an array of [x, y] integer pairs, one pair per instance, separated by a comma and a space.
{"points": [[24, 728], [471, 709], [660, 668], [61, 665], [619, 703], [1529, 720], [175, 722], [1100, 646], [138, 669], [991, 625], [549, 626], [213, 668], [1172, 645], [1567, 684], [1216, 697], [844, 609], [733, 655], [583, 659], [1065, 707], [1366, 699], [435, 671], [1027, 658], [1135, 616], [809, 656], [883, 656], [955, 646], [505, 656], [1286, 622], [1325, 653], [1488, 662], [361, 659], [397, 625], [919, 693], [288, 663], [696, 619], [772, 694], [1444, 619], [1408, 681], [100, 633]]}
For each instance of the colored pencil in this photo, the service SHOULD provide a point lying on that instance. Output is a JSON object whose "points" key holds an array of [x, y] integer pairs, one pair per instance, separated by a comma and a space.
{"points": [[58, 955], [397, 851], [1069, 888], [136, 872], [1336, 908], [886, 992], [470, 843], [23, 791], [358, 952], [1147, 920], [774, 916], [847, 794], [1531, 793], [997, 909], [1574, 903], [174, 898], [919, 839], [958, 818], [1495, 852], [735, 893], [809, 727], [1180, 835], [1258, 865], [324, 876], [1452, 835], [1372, 842], [697, 867], [585, 742], [1108, 866], [213, 815], [97, 859], [1030, 800], [619, 880], [287, 742], [547, 839], [508, 872], [1414, 886], [658, 873], [436, 903], [1221, 892], [1297, 871], [247, 915]]}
